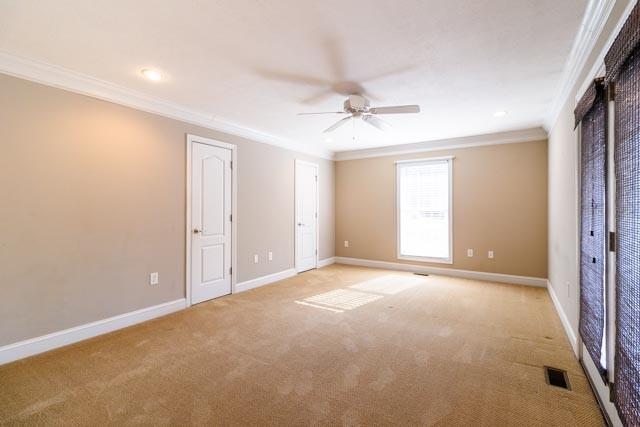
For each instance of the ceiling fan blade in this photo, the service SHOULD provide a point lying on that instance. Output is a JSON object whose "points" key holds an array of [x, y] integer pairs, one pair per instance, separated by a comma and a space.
{"points": [[376, 122], [324, 112], [284, 76], [399, 109], [317, 97], [398, 70], [335, 54], [337, 124]]}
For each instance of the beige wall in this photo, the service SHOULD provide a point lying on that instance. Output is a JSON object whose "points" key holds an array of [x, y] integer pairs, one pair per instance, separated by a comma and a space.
{"points": [[499, 204], [93, 200]]}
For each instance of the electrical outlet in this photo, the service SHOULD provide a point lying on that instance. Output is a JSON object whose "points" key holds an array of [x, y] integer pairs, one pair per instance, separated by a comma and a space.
{"points": [[270, 256], [153, 278], [490, 254], [346, 243], [470, 253], [255, 259]]}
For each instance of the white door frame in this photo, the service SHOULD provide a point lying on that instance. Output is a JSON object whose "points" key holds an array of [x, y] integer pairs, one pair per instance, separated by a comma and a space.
{"points": [[295, 212], [191, 139]]}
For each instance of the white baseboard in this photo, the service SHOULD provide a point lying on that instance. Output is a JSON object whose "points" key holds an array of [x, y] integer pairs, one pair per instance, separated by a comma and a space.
{"points": [[600, 389], [264, 280], [465, 274], [325, 262], [30, 347], [573, 339]]}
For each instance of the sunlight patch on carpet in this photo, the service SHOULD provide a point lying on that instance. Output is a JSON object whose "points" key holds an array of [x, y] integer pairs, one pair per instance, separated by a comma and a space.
{"points": [[388, 285], [308, 304], [342, 299]]}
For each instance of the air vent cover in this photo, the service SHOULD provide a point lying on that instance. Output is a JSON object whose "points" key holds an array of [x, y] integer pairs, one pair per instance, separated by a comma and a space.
{"points": [[557, 377]]}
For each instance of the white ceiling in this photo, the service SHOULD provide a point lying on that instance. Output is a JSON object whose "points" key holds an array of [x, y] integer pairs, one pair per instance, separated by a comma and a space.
{"points": [[256, 63]]}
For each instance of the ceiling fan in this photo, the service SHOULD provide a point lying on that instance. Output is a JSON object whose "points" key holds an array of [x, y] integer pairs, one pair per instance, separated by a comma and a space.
{"points": [[358, 107]]}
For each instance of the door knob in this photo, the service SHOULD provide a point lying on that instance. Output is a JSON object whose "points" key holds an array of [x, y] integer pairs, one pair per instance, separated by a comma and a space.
{"points": [[196, 231], [300, 224]]}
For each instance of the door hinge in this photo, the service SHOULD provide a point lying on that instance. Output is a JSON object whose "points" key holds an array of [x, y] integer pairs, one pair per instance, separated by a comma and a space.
{"points": [[316, 252], [231, 217], [612, 241], [231, 164], [316, 178], [316, 214], [230, 271]]}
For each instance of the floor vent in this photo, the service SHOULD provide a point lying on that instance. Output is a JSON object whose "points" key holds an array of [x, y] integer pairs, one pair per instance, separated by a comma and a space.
{"points": [[422, 274], [557, 377]]}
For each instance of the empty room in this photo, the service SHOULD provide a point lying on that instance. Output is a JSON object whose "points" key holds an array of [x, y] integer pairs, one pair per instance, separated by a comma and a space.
{"points": [[296, 212]]}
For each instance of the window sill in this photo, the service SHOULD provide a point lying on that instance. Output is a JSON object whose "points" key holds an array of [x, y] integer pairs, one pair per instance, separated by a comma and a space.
{"points": [[425, 259]]}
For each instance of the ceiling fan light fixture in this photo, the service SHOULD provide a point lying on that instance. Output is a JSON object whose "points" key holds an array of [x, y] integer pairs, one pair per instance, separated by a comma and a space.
{"points": [[358, 107]]}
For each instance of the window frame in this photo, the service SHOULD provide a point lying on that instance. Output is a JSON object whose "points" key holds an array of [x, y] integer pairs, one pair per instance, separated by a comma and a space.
{"points": [[399, 255]]}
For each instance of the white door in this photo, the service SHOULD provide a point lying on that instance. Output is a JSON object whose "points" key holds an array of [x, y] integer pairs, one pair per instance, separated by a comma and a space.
{"points": [[211, 222], [306, 215]]}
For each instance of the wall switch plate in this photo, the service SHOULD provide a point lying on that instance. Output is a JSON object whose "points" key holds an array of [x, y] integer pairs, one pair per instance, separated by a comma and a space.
{"points": [[469, 253], [346, 243], [255, 259], [490, 254], [153, 278], [270, 256]]}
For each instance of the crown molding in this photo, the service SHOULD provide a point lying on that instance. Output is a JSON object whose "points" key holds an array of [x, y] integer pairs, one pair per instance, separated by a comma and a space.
{"points": [[62, 78], [598, 69], [591, 27], [511, 137]]}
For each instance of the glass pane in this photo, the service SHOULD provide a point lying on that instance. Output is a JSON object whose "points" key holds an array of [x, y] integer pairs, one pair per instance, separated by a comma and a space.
{"points": [[424, 209]]}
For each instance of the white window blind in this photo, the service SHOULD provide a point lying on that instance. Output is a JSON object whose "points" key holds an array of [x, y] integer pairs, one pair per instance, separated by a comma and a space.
{"points": [[424, 200]]}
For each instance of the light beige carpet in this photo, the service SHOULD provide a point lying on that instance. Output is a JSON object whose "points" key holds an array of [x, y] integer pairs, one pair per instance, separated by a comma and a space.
{"points": [[442, 351]]}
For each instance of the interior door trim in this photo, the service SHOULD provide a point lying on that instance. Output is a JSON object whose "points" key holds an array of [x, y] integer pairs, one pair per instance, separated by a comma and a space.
{"points": [[191, 139], [295, 212]]}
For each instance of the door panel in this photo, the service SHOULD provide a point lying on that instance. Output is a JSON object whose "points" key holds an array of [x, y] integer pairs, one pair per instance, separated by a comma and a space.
{"points": [[211, 222], [212, 263], [213, 192], [306, 193]]}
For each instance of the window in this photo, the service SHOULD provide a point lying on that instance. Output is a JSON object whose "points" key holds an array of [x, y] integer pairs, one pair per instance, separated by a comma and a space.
{"points": [[424, 199]]}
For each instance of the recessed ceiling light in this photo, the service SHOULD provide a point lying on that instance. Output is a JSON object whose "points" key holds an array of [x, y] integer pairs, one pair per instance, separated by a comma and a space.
{"points": [[499, 114], [151, 74], [328, 140]]}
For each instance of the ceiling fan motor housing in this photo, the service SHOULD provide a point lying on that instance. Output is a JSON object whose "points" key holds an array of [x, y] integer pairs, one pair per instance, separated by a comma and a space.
{"points": [[356, 104]]}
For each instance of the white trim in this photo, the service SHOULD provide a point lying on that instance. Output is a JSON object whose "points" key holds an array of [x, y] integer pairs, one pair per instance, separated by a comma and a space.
{"points": [[573, 340], [234, 210], [465, 274], [610, 296], [326, 262], [295, 211], [593, 23], [264, 280], [33, 346], [598, 69], [425, 159], [62, 78], [593, 74], [511, 137], [399, 255], [601, 389]]}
